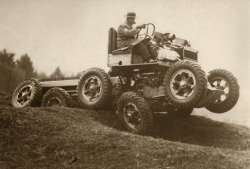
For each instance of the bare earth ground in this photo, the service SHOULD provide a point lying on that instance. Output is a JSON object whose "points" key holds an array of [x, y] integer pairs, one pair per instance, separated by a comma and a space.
{"points": [[76, 138]]}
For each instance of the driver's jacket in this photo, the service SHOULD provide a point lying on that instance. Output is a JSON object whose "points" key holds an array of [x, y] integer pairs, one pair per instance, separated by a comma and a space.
{"points": [[126, 35]]}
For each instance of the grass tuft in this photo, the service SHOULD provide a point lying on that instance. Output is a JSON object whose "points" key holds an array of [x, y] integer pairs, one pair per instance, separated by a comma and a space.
{"points": [[76, 138]]}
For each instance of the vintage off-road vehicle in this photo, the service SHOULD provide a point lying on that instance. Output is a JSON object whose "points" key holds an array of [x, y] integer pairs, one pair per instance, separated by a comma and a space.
{"points": [[174, 83]]}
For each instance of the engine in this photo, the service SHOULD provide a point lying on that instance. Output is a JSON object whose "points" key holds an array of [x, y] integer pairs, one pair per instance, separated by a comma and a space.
{"points": [[148, 84], [171, 47]]}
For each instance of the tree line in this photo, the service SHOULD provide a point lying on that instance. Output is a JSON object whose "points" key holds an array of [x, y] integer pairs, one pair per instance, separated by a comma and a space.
{"points": [[13, 72]]}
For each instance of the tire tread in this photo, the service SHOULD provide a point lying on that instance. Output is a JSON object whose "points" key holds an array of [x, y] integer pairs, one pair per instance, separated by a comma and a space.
{"points": [[143, 108], [233, 96], [106, 84], [59, 91], [201, 80]]}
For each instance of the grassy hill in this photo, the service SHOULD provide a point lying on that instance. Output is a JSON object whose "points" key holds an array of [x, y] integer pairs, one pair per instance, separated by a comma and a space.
{"points": [[77, 138]]}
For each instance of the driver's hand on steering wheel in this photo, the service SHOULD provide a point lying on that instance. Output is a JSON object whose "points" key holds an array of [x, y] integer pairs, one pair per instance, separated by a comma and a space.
{"points": [[141, 26]]}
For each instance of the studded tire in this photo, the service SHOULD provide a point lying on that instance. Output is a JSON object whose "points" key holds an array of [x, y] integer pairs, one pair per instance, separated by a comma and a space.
{"points": [[94, 89], [27, 93], [135, 113], [56, 97], [224, 80], [185, 84]]}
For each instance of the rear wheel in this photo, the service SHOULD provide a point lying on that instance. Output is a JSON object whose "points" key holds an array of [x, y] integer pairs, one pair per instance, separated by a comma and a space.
{"points": [[27, 94], [223, 80], [135, 113], [185, 84], [94, 89], [56, 97]]}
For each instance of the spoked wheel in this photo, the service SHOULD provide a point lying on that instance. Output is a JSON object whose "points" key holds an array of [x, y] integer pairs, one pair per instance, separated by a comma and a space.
{"points": [[182, 84], [56, 97], [26, 94], [135, 113], [185, 84], [225, 81], [94, 89], [221, 84], [132, 115]]}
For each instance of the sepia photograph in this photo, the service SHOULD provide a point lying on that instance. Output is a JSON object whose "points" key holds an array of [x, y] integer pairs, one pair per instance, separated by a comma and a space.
{"points": [[135, 84]]}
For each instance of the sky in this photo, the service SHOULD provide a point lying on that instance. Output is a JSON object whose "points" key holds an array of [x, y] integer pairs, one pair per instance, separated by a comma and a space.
{"points": [[73, 34]]}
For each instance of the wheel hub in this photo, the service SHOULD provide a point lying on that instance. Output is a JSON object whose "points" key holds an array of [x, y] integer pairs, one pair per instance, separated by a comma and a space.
{"points": [[54, 102], [182, 84], [24, 95], [132, 115], [92, 88], [221, 84]]}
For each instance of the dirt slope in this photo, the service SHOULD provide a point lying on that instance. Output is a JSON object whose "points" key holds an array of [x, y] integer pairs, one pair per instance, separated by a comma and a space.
{"points": [[75, 138]]}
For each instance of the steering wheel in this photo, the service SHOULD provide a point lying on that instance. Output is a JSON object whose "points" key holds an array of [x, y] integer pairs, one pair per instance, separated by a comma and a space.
{"points": [[146, 34]]}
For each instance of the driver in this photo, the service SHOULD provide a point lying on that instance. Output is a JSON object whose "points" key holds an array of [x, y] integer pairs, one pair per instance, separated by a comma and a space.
{"points": [[126, 36]]}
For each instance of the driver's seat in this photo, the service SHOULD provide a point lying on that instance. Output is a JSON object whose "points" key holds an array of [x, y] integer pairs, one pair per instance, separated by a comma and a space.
{"points": [[121, 56], [112, 48]]}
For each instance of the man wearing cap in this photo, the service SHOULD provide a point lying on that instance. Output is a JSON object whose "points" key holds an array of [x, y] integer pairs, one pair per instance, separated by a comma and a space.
{"points": [[126, 36]]}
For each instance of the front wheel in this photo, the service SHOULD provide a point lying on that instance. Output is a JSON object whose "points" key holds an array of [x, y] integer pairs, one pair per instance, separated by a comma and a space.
{"points": [[135, 113], [223, 80], [185, 84]]}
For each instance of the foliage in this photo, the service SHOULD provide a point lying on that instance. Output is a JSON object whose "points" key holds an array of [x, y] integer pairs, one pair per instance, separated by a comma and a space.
{"points": [[13, 72], [6, 59], [57, 73], [41, 75], [79, 74], [26, 64], [10, 74]]}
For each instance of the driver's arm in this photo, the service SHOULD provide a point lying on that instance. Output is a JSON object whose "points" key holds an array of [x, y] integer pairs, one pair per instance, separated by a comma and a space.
{"points": [[123, 30]]}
